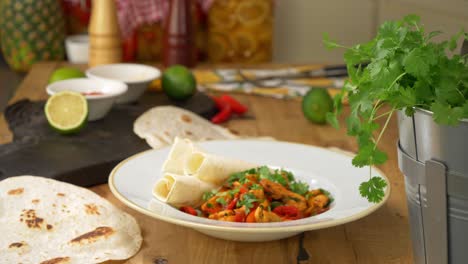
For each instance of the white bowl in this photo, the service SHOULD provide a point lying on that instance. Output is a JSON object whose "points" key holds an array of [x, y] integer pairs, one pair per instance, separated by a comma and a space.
{"points": [[319, 167], [98, 105], [77, 47], [136, 76]]}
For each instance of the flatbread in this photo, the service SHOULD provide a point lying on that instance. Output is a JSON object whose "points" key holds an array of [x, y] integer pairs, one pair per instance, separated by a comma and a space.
{"points": [[180, 151], [47, 221], [181, 190], [213, 169], [160, 125], [189, 171]]}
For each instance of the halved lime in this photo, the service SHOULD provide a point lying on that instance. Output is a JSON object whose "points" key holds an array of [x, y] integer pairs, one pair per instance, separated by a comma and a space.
{"points": [[67, 112], [316, 104]]}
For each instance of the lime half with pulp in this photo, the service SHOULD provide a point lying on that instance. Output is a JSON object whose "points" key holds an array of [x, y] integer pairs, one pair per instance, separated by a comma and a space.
{"points": [[316, 104], [67, 112]]}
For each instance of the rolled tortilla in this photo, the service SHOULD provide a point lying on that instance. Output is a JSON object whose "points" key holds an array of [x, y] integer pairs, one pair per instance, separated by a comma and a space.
{"points": [[213, 169], [178, 154], [179, 190]]}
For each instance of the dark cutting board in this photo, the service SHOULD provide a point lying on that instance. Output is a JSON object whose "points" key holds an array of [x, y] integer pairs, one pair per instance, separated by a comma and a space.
{"points": [[86, 158]]}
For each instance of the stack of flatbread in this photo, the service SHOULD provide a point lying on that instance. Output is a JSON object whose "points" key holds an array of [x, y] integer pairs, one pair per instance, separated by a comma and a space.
{"points": [[160, 125], [47, 221], [189, 171]]}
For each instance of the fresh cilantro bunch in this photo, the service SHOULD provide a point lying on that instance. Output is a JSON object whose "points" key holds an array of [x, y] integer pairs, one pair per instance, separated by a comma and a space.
{"points": [[402, 68]]}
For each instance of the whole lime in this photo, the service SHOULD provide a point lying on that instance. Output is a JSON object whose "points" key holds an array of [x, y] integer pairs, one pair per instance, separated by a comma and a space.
{"points": [[178, 82], [65, 73], [316, 104]]}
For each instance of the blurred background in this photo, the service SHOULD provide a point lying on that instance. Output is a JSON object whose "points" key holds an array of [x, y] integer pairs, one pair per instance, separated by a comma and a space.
{"points": [[227, 31]]}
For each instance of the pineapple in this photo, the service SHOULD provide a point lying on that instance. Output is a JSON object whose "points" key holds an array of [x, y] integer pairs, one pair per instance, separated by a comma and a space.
{"points": [[31, 31]]}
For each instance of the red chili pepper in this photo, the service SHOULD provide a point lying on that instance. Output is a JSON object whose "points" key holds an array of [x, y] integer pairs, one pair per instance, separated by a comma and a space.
{"points": [[223, 115], [236, 106], [232, 204], [286, 211], [188, 210], [218, 102]]}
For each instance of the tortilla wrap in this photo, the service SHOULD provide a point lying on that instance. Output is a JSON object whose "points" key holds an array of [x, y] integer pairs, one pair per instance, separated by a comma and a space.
{"points": [[180, 151], [213, 169], [180, 190], [47, 221], [160, 125]]}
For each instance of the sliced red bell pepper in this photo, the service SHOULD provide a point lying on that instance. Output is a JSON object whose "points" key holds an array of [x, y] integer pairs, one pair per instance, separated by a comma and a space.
{"points": [[240, 215], [232, 204], [286, 211], [251, 217], [188, 210]]}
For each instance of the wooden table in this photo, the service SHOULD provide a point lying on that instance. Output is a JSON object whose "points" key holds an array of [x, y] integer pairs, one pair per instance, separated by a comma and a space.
{"points": [[382, 237]]}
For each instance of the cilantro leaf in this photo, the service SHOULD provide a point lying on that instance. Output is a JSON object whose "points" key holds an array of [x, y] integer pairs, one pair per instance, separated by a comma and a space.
{"points": [[256, 187], [299, 187], [373, 189], [446, 115], [221, 200], [207, 195], [275, 176], [247, 200]]}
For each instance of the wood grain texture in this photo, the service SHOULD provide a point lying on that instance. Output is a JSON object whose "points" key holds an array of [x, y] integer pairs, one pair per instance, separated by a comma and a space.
{"points": [[382, 237]]}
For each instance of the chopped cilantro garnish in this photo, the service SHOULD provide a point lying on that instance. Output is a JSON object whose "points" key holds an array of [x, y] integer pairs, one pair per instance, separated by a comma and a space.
{"points": [[256, 187], [233, 192], [289, 175], [328, 194], [207, 195], [209, 205], [221, 200], [248, 200], [299, 187], [275, 176]]}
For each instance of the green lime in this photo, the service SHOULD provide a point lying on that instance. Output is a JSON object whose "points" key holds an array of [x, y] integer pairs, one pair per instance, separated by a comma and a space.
{"points": [[65, 73], [67, 112], [316, 104], [178, 83]]}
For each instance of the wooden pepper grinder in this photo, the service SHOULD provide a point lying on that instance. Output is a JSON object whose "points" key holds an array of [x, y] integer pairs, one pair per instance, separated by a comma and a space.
{"points": [[178, 35], [105, 44]]}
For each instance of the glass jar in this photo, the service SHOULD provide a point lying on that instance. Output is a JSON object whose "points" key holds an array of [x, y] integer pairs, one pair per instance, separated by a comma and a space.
{"points": [[240, 31]]}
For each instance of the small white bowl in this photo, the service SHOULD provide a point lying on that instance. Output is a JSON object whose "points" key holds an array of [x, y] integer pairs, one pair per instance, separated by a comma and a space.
{"points": [[77, 47], [136, 76], [98, 105]]}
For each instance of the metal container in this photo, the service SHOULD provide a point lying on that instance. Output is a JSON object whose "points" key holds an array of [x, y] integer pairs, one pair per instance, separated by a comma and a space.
{"points": [[434, 160]]}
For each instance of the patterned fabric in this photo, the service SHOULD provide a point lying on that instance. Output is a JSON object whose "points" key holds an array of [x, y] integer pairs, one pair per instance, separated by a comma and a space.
{"points": [[133, 13], [231, 80]]}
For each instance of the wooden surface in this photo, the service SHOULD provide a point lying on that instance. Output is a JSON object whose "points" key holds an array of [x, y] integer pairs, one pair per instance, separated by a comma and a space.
{"points": [[382, 237]]}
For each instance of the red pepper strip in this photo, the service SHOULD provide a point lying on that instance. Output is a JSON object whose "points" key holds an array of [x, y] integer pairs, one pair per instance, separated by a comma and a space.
{"points": [[232, 204], [236, 106], [240, 215], [223, 115], [286, 211], [243, 189], [251, 217], [188, 210]]}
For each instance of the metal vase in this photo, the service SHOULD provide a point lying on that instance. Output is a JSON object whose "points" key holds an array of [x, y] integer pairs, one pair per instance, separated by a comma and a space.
{"points": [[434, 160]]}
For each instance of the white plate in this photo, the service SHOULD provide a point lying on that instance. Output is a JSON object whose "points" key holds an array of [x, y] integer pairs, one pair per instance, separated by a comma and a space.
{"points": [[132, 180]]}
